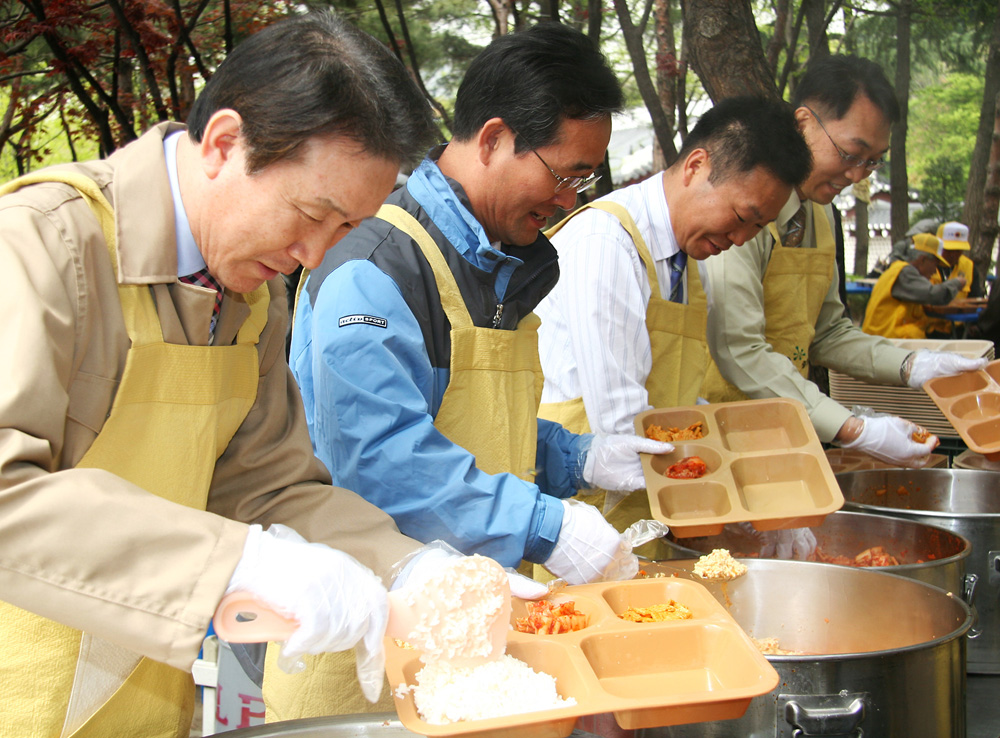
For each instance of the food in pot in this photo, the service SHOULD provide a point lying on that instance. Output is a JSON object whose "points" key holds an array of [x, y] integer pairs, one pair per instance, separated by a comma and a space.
{"points": [[445, 693], [719, 566], [769, 647], [548, 618], [691, 433], [657, 613], [874, 556], [690, 467]]}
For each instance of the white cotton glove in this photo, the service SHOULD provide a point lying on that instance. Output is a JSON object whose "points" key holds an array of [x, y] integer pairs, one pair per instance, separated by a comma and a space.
{"points": [[589, 549], [338, 603], [932, 364], [613, 461], [890, 439], [793, 543]]}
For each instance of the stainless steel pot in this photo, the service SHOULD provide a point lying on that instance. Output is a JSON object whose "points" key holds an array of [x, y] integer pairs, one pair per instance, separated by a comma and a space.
{"points": [[964, 501], [373, 725], [886, 653], [926, 553]]}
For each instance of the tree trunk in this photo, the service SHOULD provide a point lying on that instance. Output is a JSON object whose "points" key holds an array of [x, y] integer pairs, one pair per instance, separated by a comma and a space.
{"points": [[862, 192], [988, 226], [782, 32], [633, 42], [667, 71], [722, 38], [974, 213], [816, 28], [900, 208]]}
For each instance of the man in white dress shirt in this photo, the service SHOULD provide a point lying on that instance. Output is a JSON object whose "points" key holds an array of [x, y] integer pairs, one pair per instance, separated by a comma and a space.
{"points": [[618, 338]]}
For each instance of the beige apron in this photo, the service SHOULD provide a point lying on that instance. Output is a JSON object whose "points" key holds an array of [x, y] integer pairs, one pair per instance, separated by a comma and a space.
{"points": [[489, 409], [679, 356], [176, 409], [795, 285]]}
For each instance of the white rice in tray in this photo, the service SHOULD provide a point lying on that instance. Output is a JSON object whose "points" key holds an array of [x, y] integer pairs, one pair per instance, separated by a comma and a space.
{"points": [[446, 694]]}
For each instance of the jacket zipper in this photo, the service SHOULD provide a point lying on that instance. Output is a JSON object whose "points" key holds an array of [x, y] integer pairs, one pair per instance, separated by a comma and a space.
{"points": [[498, 316]]}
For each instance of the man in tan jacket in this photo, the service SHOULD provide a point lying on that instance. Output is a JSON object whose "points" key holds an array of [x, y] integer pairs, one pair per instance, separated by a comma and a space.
{"points": [[150, 426]]}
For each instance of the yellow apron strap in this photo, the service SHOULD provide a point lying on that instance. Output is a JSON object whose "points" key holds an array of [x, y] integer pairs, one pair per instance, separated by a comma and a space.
{"points": [[451, 296], [141, 322]]}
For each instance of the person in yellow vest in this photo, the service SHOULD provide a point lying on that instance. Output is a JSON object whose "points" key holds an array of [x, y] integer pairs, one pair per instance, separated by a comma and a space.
{"points": [[415, 345], [895, 308], [623, 330], [151, 426], [955, 245], [777, 308]]}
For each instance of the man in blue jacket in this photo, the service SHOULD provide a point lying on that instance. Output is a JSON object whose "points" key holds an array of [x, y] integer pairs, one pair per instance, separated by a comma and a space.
{"points": [[414, 341]]}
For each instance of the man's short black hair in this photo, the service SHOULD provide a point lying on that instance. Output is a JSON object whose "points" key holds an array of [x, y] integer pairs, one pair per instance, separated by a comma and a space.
{"points": [[533, 80], [832, 83], [745, 132], [314, 76]]}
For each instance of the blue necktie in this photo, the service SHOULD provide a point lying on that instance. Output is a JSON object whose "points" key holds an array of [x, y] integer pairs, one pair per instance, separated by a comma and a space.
{"points": [[677, 264]]}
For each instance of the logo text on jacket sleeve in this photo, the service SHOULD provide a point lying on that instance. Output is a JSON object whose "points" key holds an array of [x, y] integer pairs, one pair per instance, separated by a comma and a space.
{"points": [[366, 319]]}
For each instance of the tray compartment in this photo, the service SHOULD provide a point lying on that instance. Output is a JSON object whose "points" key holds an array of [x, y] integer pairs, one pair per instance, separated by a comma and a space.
{"points": [[768, 427], [649, 592], [680, 500], [985, 435], [683, 449], [972, 408], [782, 482], [690, 662], [596, 609], [675, 418], [958, 384]]}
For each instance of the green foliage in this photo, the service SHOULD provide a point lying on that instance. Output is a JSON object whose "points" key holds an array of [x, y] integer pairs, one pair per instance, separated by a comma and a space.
{"points": [[943, 120], [943, 188]]}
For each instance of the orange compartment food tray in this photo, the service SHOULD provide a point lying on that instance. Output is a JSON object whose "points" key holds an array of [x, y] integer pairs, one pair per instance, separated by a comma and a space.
{"points": [[971, 402], [766, 466], [647, 674]]}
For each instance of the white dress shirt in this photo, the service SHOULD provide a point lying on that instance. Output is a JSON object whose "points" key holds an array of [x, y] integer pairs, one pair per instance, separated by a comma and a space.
{"points": [[593, 341]]}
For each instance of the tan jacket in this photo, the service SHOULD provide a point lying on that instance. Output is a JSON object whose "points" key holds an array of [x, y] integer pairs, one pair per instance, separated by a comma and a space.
{"points": [[82, 546]]}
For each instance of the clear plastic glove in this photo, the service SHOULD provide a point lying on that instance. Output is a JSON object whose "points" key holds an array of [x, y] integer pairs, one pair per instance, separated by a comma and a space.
{"points": [[426, 561], [338, 603], [793, 543], [927, 365], [613, 461], [890, 439], [589, 549]]}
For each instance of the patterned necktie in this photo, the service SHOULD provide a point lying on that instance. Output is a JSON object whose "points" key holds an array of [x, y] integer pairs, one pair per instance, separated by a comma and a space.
{"points": [[677, 263], [204, 279], [796, 228]]}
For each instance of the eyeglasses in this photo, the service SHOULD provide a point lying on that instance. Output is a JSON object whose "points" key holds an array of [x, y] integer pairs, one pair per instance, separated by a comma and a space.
{"points": [[569, 183], [850, 160]]}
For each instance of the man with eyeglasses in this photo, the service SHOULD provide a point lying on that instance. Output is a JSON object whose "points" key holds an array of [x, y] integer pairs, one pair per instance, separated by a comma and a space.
{"points": [[416, 346], [624, 329], [777, 307]]}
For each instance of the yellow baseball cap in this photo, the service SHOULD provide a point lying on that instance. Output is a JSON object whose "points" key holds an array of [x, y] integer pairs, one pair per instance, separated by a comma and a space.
{"points": [[955, 236], [930, 244]]}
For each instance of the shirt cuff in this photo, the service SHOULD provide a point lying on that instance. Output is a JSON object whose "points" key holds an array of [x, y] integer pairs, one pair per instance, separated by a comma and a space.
{"points": [[545, 526]]}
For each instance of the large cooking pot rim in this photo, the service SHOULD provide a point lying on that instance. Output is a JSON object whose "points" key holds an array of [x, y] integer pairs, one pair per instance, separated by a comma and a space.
{"points": [[921, 511], [870, 512], [923, 475]]}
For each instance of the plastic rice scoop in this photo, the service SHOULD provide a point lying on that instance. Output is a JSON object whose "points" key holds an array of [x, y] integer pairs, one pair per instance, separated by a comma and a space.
{"points": [[459, 612]]}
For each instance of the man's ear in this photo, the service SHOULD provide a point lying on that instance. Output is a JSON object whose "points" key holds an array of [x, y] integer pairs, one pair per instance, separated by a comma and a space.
{"points": [[490, 139], [695, 163], [221, 141]]}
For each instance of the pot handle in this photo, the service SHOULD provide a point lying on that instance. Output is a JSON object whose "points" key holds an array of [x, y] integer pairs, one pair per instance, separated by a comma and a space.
{"points": [[969, 595], [826, 718]]}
